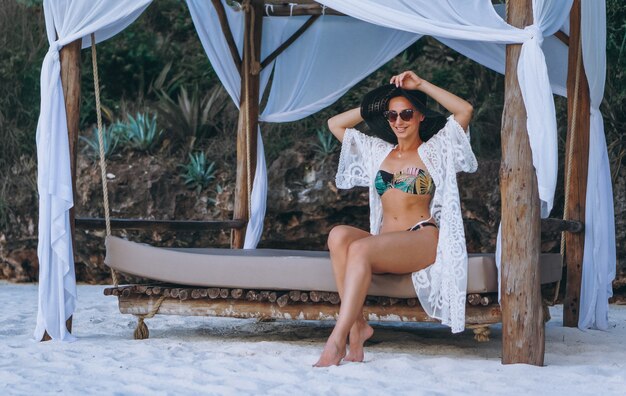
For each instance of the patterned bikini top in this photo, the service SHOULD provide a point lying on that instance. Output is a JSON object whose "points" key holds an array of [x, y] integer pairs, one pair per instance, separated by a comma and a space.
{"points": [[410, 180]]}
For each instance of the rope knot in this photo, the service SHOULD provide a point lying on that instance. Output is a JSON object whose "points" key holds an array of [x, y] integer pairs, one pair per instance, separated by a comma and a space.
{"points": [[535, 33]]}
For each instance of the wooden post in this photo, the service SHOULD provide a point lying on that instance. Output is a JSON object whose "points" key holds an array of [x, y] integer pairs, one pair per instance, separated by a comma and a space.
{"points": [[70, 79], [523, 338], [577, 146], [248, 116]]}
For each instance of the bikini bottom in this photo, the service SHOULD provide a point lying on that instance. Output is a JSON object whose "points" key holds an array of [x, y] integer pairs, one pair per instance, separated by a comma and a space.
{"points": [[422, 224]]}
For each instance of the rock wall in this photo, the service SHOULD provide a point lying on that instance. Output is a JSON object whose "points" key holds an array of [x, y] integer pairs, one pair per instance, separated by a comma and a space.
{"points": [[303, 206]]}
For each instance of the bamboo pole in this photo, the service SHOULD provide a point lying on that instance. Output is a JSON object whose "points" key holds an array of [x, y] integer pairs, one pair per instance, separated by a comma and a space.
{"points": [[523, 338], [70, 79], [577, 147], [248, 116]]}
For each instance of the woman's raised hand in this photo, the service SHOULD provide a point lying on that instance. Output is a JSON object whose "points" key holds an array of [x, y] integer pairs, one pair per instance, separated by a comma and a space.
{"points": [[406, 80]]}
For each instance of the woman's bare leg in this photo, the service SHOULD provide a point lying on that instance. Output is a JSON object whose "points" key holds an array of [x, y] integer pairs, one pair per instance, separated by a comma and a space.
{"points": [[395, 252], [339, 241]]}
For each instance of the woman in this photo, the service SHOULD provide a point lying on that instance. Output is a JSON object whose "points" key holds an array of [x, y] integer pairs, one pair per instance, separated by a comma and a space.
{"points": [[415, 220]]}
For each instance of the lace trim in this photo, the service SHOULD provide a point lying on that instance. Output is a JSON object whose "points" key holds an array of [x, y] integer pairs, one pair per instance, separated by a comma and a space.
{"points": [[442, 286], [359, 160]]}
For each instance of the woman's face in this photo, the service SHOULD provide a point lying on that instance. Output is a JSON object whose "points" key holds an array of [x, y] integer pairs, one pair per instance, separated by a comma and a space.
{"points": [[404, 118]]}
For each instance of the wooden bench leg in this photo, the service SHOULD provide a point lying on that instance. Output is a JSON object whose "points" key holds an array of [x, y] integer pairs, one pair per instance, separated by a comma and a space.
{"points": [[481, 332]]}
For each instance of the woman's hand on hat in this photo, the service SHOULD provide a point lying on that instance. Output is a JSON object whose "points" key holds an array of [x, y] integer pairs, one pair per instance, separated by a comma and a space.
{"points": [[407, 80]]}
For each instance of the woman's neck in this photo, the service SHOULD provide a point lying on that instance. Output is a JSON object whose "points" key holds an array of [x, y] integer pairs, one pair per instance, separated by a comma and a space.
{"points": [[404, 146]]}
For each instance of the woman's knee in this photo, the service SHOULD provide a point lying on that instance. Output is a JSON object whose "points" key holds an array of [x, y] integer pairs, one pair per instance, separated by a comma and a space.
{"points": [[359, 252], [339, 237]]}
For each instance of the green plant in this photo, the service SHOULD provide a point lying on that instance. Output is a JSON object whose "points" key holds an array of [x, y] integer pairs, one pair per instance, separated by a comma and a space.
{"points": [[110, 139], [140, 132], [190, 117], [326, 143], [197, 172]]}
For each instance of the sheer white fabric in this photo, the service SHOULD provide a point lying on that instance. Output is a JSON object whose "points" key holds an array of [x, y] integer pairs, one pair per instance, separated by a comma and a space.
{"points": [[333, 55], [441, 287], [69, 21], [599, 258], [492, 55], [310, 75]]}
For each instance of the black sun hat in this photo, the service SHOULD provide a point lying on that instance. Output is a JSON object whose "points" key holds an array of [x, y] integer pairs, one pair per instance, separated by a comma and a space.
{"points": [[376, 102]]}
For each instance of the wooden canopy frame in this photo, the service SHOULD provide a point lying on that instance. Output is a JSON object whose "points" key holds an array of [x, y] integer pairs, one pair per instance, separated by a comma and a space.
{"points": [[521, 305]]}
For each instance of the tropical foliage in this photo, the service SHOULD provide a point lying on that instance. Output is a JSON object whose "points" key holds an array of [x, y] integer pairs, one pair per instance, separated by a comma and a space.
{"points": [[198, 172]]}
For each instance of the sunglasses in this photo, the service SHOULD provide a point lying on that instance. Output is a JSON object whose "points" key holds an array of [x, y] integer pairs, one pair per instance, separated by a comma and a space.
{"points": [[405, 115]]}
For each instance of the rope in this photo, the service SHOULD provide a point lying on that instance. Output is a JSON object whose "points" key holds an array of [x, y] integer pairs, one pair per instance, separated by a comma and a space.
{"points": [[141, 332], [569, 155], [103, 165]]}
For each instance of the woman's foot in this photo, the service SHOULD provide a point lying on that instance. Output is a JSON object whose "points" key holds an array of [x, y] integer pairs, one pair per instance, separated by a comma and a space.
{"points": [[359, 333], [331, 355]]}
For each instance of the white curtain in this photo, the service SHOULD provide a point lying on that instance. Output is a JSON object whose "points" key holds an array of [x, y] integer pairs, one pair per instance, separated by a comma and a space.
{"points": [[492, 55], [66, 21], [599, 258], [310, 75]]}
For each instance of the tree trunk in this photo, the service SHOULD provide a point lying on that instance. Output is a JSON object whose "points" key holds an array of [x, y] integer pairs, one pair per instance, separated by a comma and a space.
{"points": [[248, 118], [523, 338]]}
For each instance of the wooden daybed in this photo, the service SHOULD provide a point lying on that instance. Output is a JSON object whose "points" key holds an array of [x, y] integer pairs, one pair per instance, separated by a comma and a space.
{"points": [[282, 284]]}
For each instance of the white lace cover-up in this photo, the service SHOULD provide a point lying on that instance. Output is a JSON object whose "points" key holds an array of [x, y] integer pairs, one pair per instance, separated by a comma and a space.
{"points": [[441, 287]]}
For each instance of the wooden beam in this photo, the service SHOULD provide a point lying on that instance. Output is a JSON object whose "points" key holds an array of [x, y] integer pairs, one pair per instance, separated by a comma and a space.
{"points": [[228, 34], [160, 225], [558, 225], [70, 80], [562, 36], [248, 116], [282, 9], [289, 41], [141, 305], [523, 338], [577, 147]]}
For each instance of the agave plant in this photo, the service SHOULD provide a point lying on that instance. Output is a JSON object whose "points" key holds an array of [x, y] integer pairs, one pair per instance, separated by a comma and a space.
{"points": [[110, 140], [197, 173], [140, 132], [326, 143], [190, 117]]}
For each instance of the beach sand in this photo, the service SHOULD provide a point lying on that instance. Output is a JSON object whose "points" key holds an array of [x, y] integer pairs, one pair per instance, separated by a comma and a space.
{"points": [[222, 356]]}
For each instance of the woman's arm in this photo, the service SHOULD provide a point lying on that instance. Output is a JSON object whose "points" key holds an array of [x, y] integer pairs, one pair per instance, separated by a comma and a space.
{"points": [[348, 119], [461, 109]]}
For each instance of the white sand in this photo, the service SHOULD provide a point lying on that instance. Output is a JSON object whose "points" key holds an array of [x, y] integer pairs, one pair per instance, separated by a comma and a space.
{"points": [[189, 355]]}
